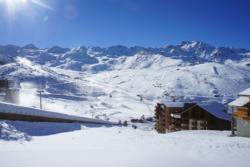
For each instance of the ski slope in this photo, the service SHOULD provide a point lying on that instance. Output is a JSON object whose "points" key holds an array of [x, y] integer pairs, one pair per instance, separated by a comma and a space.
{"points": [[108, 83]]}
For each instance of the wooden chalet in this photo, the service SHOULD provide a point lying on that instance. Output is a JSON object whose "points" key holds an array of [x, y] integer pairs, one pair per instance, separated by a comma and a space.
{"points": [[241, 113], [191, 116]]}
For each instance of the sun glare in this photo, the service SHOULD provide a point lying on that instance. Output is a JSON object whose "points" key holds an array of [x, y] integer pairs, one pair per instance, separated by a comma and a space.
{"points": [[14, 2], [12, 6]]}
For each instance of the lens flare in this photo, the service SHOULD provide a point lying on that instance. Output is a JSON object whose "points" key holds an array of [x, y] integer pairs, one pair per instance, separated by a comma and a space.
{"points": [[13, 6], [41, 4]]}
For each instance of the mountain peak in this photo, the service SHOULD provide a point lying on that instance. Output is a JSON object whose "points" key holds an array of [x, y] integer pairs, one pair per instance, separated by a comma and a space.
{"points": [[195, 45], [30, 46], [57, 49]]}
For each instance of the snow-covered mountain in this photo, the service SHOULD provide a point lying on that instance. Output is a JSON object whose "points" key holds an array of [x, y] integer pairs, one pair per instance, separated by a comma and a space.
{"points": [[108, 81], [191, 51]]}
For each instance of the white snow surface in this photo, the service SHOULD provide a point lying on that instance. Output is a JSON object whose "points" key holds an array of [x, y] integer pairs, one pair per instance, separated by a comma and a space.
{"points": [[123, 146], [245, 92], [239, 102]]}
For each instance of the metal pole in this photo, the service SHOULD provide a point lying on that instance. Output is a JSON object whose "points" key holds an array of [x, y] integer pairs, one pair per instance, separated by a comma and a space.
{"points": [[40, 94], [41, 100], [232, 124]]}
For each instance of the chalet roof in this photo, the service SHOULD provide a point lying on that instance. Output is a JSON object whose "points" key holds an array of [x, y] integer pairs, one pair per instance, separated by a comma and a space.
{"points": [[172, 104], [239, 102], [215, 108], [245, 92]]}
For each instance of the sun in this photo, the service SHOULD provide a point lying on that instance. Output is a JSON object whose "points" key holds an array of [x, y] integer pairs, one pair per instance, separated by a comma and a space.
{"points": [[12, 8], [14, 2], [13, 5]]}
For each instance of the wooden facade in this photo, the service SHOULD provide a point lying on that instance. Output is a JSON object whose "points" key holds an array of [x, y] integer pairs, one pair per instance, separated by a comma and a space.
{"points": [[197, 118], [163, 117], [188, 117], [242, 121], [241, 114]]}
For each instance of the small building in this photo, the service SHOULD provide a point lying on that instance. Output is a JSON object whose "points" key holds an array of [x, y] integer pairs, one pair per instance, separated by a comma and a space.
{"points": [[8, 91], [4, 84], [191, 116], [241, 113]]}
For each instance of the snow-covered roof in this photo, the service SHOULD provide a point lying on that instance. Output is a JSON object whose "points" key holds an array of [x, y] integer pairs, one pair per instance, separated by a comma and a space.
{"points": [[245, 92], [216, 109], [16, 109], [239, 102], [172, 104]]}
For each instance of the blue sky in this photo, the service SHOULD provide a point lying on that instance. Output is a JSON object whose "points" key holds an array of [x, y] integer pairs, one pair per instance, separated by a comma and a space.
{"points": [[71, 23]]}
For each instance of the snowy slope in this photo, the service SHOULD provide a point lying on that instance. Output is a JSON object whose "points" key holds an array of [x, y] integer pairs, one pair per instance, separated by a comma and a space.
{"points": [[108, 82]]}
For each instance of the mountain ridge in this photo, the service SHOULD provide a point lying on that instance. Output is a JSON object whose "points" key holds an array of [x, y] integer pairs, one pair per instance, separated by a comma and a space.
{"points": [[190, 51]]}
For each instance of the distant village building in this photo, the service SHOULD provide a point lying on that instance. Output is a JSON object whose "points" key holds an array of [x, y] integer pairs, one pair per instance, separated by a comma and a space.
{"points": [[4, 84], [175, 116], [241, 113], [8, 91]]}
